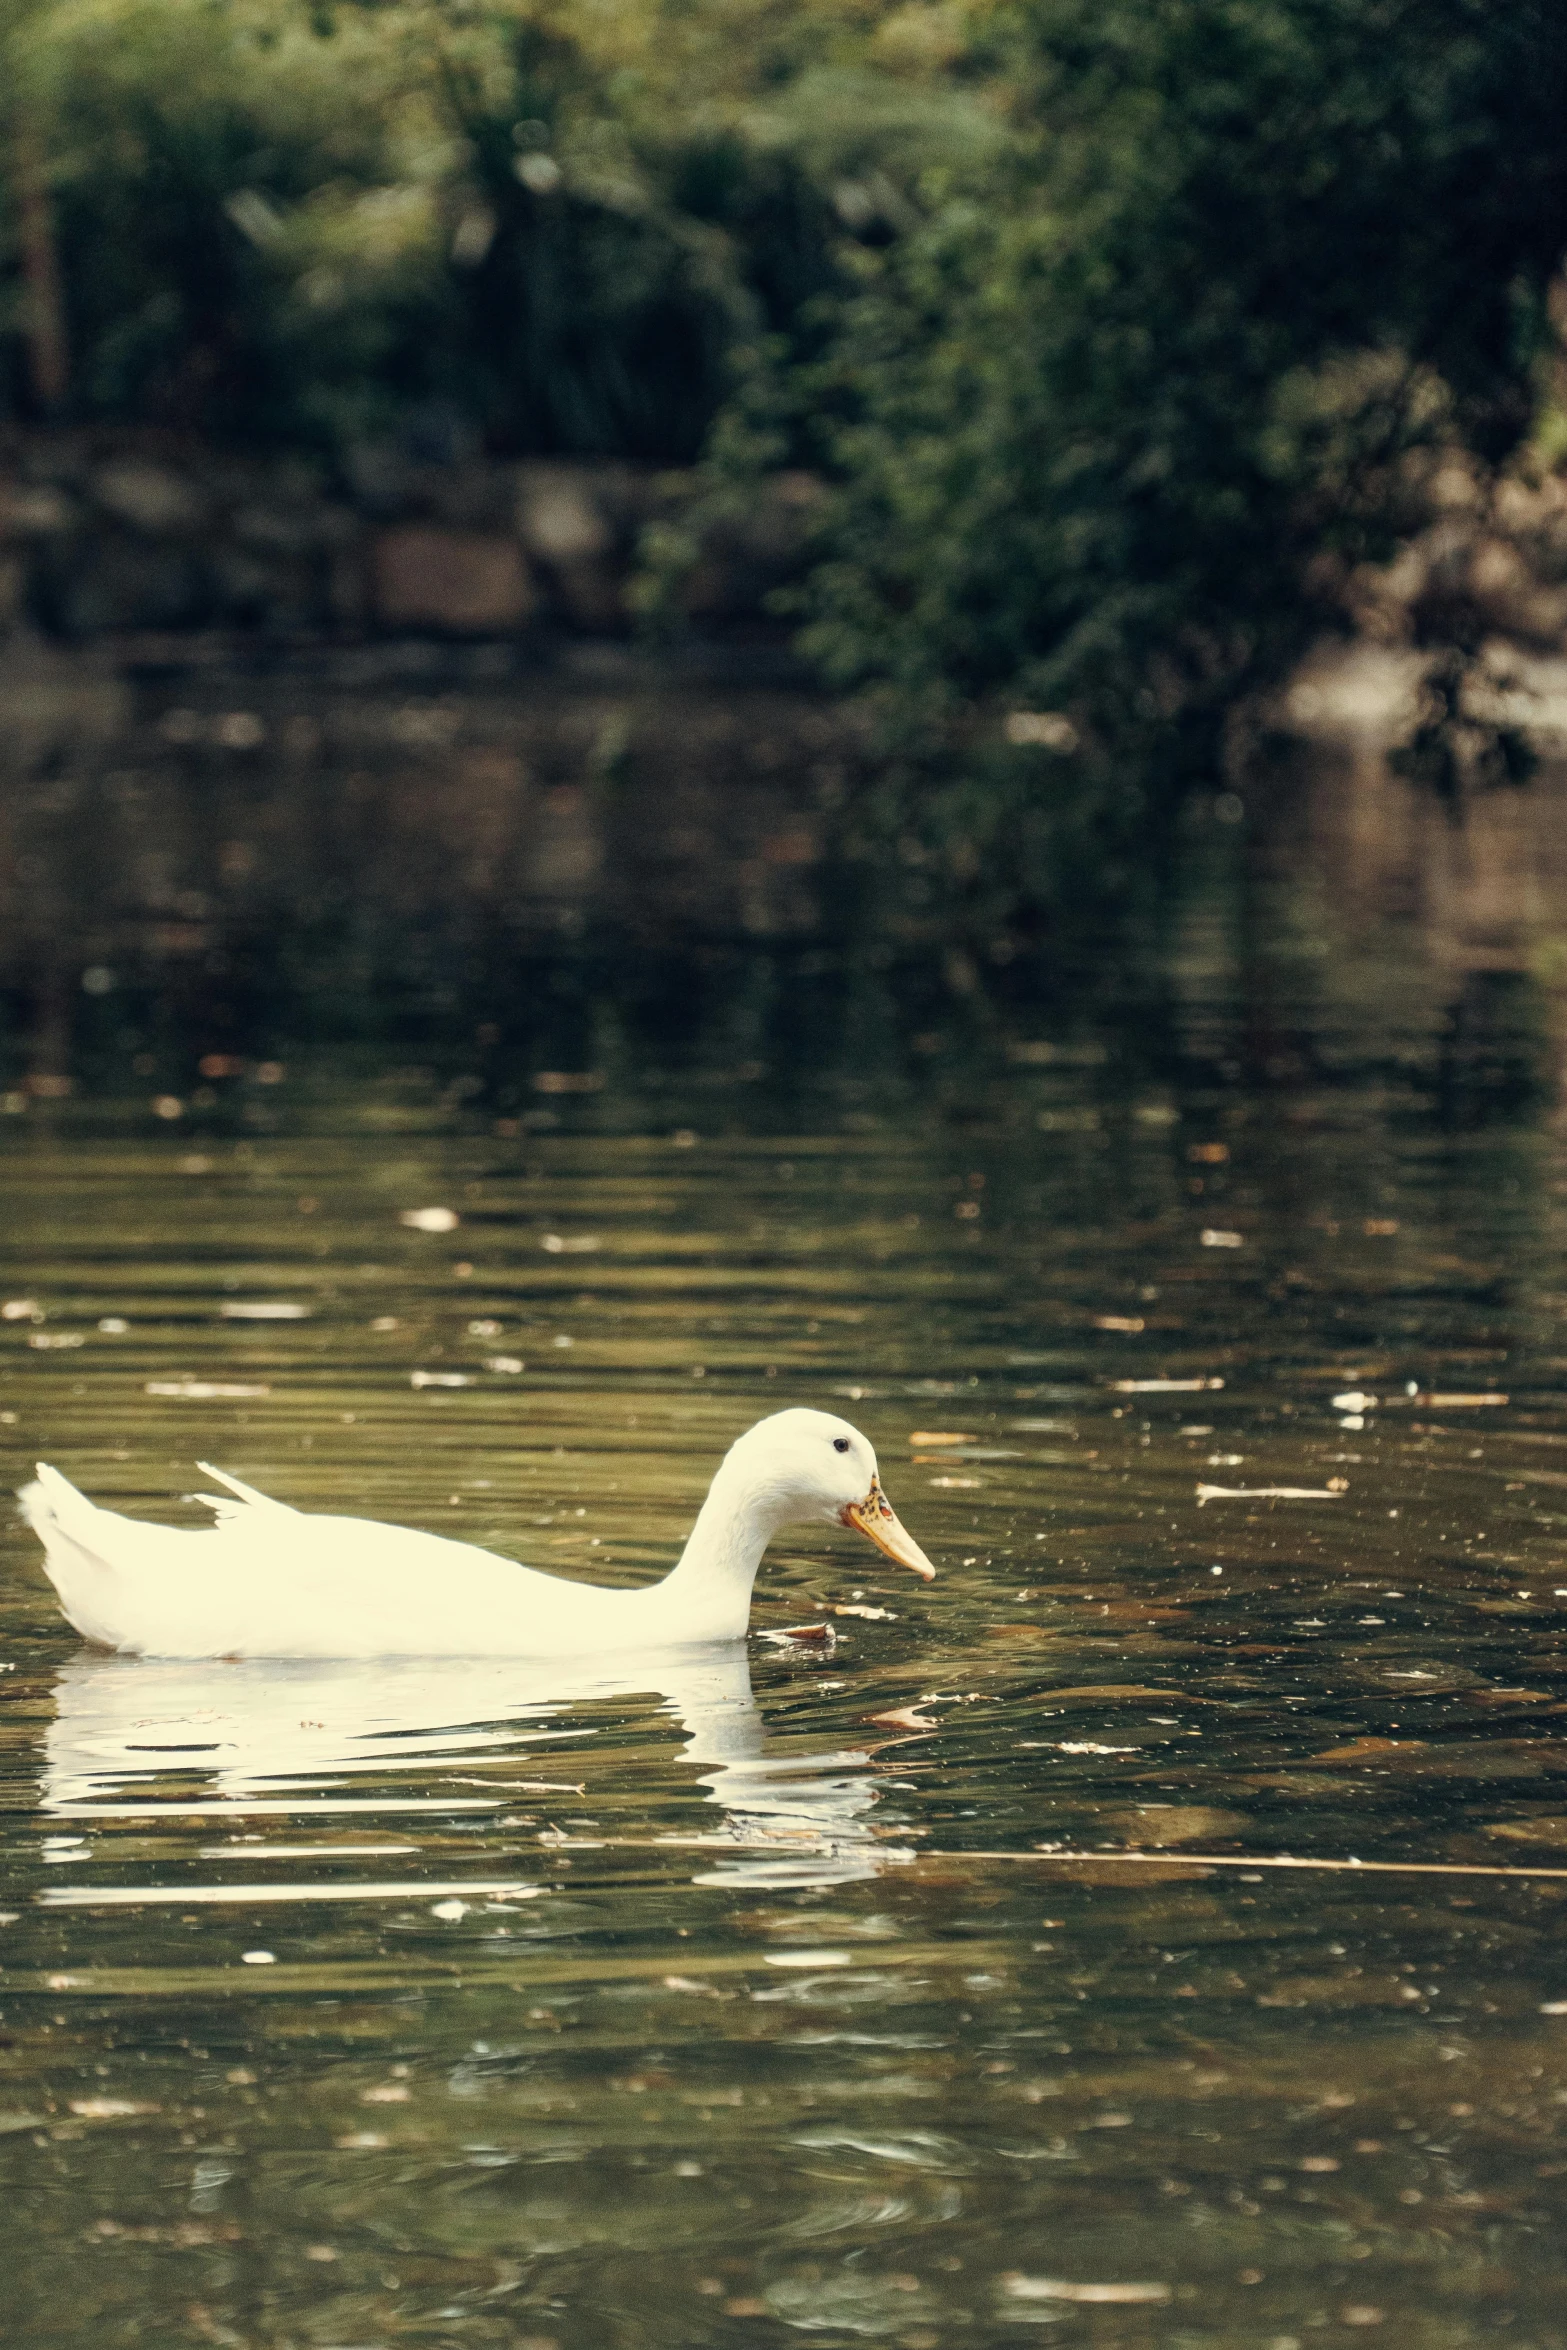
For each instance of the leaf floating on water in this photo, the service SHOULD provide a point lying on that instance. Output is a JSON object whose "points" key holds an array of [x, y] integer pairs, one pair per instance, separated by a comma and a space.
{"points": [[905, 1717], [205, 1390], [1370, 1749], [1093, 1691], [1334, 1490], [1158, 1827], [430, 1219], [806, 1632], [1023, 2288]]}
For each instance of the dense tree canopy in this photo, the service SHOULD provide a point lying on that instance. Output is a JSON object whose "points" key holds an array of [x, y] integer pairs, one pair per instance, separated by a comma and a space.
{"points": [[1117, 326], [1103, 416]]}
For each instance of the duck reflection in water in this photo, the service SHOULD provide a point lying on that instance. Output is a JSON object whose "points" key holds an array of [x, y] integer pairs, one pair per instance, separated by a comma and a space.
{"points": [[256, 1748]]}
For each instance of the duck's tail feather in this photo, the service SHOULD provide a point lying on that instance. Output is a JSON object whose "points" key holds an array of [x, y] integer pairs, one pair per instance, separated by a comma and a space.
{"points": [[53, 1508], [76, 1560], [115, 1575]]}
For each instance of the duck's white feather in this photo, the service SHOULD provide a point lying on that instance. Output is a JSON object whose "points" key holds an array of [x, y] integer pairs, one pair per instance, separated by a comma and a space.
{"points": [[237, 1500], [270, 1581]]}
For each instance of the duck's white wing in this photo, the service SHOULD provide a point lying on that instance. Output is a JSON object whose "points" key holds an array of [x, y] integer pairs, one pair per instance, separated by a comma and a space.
{"points": [[269, 1581]]}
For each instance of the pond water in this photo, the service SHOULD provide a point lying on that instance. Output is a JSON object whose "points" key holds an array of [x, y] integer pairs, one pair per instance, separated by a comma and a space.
{"points": [[797, 1992]]}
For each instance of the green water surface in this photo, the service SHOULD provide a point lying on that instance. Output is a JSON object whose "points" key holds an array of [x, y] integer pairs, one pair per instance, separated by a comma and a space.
{"points": [[558, 2008]]}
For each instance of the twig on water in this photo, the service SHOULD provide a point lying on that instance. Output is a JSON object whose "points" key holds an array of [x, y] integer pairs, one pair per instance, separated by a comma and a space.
{"points": [[1278, 1860]]}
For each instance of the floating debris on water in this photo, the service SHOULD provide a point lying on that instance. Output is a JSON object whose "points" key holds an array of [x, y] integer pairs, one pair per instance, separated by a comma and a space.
{"points": [[1334, 1490], [1023, 2288], [207, 1390], [1164, 1386]]}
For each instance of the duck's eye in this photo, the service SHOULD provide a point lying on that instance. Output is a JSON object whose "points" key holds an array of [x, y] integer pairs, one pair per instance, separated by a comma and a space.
{"points": [[840, 1444]]}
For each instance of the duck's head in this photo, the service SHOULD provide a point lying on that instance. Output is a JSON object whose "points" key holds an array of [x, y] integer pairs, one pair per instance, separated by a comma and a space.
{"points": [[806, 1466]]}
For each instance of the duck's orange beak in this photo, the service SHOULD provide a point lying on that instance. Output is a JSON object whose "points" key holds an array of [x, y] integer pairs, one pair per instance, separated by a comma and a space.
{"points": [[876, 1517]]}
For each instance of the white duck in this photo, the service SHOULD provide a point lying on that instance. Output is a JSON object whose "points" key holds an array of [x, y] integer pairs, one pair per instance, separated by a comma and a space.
{"points": [[269, 1581]]}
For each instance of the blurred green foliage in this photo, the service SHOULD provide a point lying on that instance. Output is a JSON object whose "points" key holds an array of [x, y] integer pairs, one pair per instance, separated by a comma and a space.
{"points": [[522, 224], [1112, 324], [1114, 422]]}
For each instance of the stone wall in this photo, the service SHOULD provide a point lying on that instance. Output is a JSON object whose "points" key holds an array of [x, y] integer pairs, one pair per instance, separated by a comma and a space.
{"points": [[104, 534]]}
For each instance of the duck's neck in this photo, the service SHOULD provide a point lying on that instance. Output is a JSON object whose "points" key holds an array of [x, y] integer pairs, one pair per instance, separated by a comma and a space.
{"points": [[710, 1587]]}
